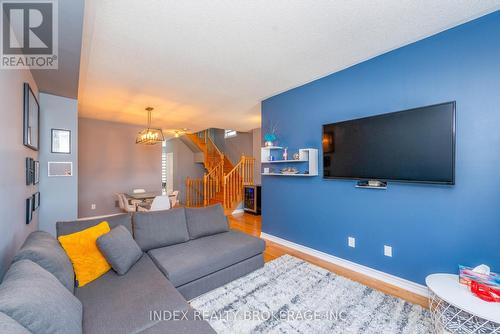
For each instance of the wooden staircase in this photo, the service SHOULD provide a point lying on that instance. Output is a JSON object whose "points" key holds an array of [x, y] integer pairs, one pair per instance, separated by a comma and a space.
{"points": [[223, 182]]}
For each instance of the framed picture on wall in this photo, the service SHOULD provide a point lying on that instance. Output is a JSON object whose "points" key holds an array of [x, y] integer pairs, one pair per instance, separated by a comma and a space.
{"points": [[36, 172], [60, 168], [36, 201], [31, 122], [61, 141], [29, 209], [29, 171]]}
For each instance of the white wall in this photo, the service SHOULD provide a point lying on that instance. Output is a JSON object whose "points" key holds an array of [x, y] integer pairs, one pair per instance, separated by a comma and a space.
{"points": [[58, 195], [13, 189]]}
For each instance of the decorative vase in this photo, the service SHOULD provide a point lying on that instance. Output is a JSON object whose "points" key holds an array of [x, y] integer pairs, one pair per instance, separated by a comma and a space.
{"points": [[268, 143], [285, 153]]}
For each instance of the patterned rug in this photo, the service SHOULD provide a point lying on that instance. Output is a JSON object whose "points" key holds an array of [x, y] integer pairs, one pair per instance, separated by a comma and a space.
{"points": [[289, 295]]}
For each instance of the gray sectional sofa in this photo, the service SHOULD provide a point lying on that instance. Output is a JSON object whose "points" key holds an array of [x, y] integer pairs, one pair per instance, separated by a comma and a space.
{"points": [[186, 252]]}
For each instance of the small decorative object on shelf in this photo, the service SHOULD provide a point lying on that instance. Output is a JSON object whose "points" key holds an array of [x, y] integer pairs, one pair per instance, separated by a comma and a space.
{"points": [[306, 172], [289, 170], [270, 135], [269, 139], [296, 156], [285, 153]]}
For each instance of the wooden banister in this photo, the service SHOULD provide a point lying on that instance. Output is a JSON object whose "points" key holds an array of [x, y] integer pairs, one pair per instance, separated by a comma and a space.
{"points": [[242, 174], [212, 182], [194, 192], [229, 187]]}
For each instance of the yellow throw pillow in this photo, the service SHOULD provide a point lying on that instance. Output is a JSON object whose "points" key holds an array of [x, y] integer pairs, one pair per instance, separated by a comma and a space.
{"points": [[88, 262]]}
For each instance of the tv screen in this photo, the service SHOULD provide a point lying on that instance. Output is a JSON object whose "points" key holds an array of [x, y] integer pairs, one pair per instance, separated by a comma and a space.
{"points": [[416, 145]]}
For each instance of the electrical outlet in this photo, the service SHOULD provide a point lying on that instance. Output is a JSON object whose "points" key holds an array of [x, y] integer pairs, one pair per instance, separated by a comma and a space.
{"points": [[92, 207], [388, 251], [351, 242]]}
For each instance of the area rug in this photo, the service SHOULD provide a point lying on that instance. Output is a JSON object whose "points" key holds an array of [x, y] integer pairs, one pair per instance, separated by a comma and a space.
{"points": [[289, 295]]}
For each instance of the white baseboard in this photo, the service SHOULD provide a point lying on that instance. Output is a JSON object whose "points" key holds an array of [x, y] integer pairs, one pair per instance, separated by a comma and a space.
{"points": [[237, 211], [367, 271]]}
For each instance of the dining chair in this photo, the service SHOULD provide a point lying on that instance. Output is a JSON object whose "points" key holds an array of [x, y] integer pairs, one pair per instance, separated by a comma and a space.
{"points": [[160, 203], [173, 198], [120, 201], [126, 206]]}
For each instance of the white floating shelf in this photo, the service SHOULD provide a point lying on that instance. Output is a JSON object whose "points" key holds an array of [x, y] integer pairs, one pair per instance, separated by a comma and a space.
{"points": [[309, 155], [280, 174], [272, 148], [283, 161]]}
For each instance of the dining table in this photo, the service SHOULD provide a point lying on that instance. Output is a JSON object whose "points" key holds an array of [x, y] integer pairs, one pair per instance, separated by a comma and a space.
{"points": [[147, 197], [144, 196]]}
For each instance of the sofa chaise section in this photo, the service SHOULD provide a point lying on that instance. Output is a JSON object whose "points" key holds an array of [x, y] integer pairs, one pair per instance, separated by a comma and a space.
{"points": [[195, 249], [200, 259]]}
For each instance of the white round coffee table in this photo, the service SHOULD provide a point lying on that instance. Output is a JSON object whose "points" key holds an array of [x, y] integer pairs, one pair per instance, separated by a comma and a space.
{"points": [[454, 309]]}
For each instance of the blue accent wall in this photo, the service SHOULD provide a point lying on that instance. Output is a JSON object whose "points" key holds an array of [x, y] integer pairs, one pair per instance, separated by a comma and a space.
{"points": [[431, 228]]}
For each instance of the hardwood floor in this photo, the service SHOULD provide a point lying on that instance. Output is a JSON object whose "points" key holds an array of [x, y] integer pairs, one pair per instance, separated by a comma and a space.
{"points": [[252, 225]]}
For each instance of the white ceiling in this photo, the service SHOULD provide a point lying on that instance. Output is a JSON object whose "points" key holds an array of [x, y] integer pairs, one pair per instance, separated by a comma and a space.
{"points": [[209, 63]]}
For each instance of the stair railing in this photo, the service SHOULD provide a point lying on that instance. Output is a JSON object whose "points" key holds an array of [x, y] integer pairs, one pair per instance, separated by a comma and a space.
{"points": [[242, 174], [194, 192], [213, 182]]}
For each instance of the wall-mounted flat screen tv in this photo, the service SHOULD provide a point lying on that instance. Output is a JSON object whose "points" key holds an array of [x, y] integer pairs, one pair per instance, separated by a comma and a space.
{"points": [[416, 145]]}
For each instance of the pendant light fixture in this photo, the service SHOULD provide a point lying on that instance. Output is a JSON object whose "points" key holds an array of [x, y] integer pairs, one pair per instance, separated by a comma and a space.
{"points": [[149, 136]]}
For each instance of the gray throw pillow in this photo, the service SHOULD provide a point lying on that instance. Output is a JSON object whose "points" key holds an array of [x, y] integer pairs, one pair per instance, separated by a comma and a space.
{"points": [[38, 301], [44, 249], [157, 229], [9, 325], [120, 249], [206, 221]]}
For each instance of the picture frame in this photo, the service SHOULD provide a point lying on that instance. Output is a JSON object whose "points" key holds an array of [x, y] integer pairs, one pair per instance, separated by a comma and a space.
{"points": [[29, 171], [36, 201], [31, 118], [36, 172], [59, 168], [29, 209], [60, 141]]}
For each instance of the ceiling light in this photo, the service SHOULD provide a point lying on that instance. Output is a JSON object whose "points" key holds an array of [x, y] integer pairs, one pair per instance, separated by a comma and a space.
{"points": [[149, 136]]}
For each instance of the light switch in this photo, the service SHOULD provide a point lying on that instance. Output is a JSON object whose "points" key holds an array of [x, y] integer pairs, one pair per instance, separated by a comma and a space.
{"points": [[351, 242]]}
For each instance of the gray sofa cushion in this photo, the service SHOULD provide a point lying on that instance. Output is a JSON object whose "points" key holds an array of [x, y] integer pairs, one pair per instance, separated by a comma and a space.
{"points": [[69, 227], [219, 278], [191, 260], [38, 301], [122, 304], [160, 228], [120, 249], [10, 326], [43, 249], [206, 221]]}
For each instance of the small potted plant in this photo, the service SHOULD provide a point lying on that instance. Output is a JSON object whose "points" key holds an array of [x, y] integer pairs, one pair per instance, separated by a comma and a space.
{"points": [[270, 135]]}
